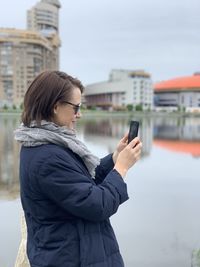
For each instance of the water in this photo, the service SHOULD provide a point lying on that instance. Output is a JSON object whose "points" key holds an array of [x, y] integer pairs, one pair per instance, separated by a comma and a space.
{"points": [[159, 224]]}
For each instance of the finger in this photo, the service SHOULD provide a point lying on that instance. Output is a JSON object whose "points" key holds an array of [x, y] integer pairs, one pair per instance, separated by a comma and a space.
{"points": [[136, 152], [138, 147], [137, 156], [125, 138], [134, 142]]}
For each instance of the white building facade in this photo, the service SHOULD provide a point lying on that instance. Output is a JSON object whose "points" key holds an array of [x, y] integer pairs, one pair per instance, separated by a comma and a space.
{"points": [[177, 99], [124, 87]]}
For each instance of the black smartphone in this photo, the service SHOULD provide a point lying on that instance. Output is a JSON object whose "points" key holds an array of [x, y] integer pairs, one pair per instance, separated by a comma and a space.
{"points": [[133, 131]]}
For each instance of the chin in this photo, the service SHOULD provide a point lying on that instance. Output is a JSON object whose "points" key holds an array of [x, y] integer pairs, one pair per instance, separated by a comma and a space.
{"points": [[72, 126]]}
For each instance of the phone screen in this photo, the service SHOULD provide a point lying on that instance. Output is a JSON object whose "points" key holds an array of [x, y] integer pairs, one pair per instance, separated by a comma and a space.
{"points": [[133, 131]]}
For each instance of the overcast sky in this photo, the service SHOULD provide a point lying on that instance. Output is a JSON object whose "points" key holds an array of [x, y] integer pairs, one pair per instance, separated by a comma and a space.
{"points": [[160, 36]]}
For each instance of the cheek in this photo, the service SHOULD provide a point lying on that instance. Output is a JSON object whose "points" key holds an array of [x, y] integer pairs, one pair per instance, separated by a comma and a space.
{"points": [[64, 118], [71, 117], [68, 117]]}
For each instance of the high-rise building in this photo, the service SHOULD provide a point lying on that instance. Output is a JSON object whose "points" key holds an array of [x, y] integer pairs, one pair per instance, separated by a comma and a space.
{"points": [[43, 17], [25, 53]]}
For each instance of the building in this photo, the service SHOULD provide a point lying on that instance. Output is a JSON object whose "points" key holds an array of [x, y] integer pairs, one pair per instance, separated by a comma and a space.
{"points": [[25, 53], [179, 93], [44, 17], [124, 87]]}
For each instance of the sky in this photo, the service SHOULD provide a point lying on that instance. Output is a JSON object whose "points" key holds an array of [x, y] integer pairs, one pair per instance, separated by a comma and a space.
{"points": [[161, 37]]}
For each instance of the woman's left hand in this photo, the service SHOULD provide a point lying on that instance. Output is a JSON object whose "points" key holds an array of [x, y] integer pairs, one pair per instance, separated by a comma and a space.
{"points": [[121, 145]]}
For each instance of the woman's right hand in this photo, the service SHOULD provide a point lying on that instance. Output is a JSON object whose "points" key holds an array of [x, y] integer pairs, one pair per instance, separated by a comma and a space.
{"points": [[128, 156]]}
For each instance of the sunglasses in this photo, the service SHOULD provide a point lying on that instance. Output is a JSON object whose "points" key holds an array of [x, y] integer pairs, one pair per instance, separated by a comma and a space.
{"points": [[75, 107]]}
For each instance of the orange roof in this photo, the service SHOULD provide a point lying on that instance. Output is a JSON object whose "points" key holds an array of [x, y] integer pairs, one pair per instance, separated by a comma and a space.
{"points": [[180, 146], [182, 83]]}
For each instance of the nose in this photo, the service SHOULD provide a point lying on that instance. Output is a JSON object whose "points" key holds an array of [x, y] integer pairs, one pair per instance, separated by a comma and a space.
{"points": [[78, 115]]}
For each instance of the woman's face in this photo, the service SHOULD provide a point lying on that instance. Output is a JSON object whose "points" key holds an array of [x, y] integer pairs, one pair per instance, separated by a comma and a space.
{"points": [[65, 113]]}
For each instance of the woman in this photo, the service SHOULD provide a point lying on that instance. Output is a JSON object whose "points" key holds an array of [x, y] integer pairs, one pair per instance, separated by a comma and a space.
{"points": [[68, 194]]}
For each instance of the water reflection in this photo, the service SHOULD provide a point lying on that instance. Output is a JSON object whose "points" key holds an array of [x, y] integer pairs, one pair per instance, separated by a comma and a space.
{"points": [[9, 187], [108, 132], [176, 134], [160, 223], [187, 129]]}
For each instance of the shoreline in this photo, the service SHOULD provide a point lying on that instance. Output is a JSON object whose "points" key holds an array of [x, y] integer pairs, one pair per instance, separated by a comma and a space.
{"points": [[122, 113]]}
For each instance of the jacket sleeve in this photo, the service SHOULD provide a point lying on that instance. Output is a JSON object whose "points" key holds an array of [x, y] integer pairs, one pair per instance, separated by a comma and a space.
{"points": [[102, 170], [76, 193]]}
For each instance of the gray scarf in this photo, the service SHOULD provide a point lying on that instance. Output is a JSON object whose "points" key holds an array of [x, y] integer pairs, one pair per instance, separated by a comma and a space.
{"points": [[49, 132]]}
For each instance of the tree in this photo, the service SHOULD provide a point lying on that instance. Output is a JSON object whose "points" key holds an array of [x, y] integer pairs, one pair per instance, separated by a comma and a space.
{"points": [[21, 106], [139, 107], [5, 107], [129, 107]]}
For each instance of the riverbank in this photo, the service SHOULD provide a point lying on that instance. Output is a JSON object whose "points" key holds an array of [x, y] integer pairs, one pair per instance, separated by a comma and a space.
{"points": [[139, 113], [120, 113]]}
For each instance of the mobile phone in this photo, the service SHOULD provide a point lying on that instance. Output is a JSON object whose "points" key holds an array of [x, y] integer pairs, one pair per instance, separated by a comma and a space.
{"points": [[133, 130]]}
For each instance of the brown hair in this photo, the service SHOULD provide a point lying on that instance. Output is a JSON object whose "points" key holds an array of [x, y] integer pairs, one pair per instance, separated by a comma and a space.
{"points": [[48, 88]]}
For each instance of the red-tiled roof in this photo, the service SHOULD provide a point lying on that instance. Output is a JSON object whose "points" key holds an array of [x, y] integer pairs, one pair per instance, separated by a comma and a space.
{"points": [[189, 147], [182, 83]]}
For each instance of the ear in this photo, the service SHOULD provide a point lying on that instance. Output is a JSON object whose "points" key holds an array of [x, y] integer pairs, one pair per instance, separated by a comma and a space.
{"points": [[55, 109]]}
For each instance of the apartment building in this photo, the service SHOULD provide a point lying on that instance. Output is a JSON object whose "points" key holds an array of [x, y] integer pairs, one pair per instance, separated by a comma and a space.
{"points": [[25, 53], [44, 17]]}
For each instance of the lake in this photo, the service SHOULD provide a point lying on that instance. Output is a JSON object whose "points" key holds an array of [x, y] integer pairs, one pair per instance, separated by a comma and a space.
{"points": [[159, 226]]}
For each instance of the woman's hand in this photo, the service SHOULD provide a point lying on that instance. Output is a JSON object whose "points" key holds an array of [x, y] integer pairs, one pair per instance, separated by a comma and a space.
{"points": [[121, 145], [128, 156]]}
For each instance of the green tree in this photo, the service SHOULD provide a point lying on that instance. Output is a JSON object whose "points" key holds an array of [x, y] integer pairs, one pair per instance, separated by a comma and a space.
{"points": [[93, 108], [21, 106], [129, 107], [5, 107], [139, 107]]}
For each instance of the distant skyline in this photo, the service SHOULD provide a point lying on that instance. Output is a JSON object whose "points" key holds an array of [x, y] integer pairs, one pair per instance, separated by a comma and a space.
{"points": [[161, 37]]}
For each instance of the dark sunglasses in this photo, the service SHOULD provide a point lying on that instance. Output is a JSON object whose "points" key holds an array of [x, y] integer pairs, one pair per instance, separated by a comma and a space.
{"points": [[75, 107]]}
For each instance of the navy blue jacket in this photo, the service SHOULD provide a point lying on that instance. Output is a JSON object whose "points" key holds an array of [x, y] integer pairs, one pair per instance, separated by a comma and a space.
{"points": [[67, 212]]}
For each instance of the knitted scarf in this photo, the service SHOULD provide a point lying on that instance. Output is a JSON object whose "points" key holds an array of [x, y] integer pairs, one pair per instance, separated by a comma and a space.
{"points": [[49, 132]]}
